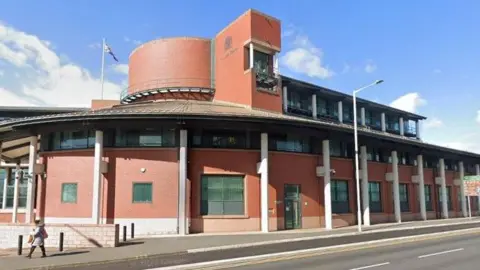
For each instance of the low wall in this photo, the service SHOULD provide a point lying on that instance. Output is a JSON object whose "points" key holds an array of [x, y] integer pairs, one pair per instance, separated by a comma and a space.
{"points": [[75, 235]]}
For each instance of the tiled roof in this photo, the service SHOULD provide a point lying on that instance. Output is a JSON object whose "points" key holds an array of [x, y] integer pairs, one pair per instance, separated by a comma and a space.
{"points": [[213, 109]]}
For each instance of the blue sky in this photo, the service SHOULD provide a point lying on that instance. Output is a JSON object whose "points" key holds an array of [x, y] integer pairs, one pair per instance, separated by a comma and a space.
{"points": [[426, 51]]}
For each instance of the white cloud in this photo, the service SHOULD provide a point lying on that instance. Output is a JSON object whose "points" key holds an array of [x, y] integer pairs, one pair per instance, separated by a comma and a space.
{"points": [[133, 41], [370, 67], [121, 68], [95, 46], [467, 142], [346, 68], [51, 80], [305, 58], [409, 102], [433, 122], [478, 117]]}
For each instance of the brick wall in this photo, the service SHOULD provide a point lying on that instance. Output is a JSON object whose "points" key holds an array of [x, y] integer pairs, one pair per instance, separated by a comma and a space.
{"points": [[75, 235]]}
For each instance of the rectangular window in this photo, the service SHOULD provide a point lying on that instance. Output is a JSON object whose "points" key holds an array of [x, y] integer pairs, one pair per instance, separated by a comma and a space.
{"points": [[219, 139], [339, 191], [375, 196], [69, 193], [3, 176], [261, 62], [222, 195], [404, 204], [428, 198], [145, 138], [142, 192], [22, 189], [300, 103], [290, 143], [341, 149], [347, 113]]}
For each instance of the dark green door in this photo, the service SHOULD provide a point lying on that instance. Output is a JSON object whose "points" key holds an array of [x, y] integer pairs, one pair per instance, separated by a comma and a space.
{"points": [[293, 215]]}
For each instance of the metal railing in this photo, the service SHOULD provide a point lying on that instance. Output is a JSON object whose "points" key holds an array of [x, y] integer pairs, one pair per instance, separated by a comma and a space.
{"points": [[168, 83]]}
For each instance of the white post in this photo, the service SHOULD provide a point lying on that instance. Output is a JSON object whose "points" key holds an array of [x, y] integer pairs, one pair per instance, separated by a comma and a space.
{"points": [[314, 106], [400, 120], [396, 188], [285, 99], [461, 174], [32, 160], [417, 129], [275, 65], [251, 55], [103, 65], [477, 172], [365, 188], [421, 187], [443, 189], [97, 177], [327, 196], [362, 115], [264, 181], [340, 112], [15, 193], [182, 185], [357, 169], [469, 208], [384, 125]]}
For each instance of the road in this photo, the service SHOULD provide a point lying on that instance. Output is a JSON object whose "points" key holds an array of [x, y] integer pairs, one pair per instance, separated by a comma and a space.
{"points": [[451, 253]]}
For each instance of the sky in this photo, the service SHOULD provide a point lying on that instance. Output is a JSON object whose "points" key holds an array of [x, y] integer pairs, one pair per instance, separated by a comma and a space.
{"points": [[427, 52]]}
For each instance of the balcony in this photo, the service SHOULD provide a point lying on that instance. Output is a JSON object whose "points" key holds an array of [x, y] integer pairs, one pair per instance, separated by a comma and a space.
{"points": [[265, 76]]}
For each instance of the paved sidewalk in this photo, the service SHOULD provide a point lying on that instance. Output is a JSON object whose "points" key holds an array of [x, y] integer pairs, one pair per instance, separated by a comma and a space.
{"points": [[139, 248]]}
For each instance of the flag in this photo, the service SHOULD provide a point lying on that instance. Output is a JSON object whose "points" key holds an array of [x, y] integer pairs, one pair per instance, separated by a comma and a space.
{"points": [[109, 51]]}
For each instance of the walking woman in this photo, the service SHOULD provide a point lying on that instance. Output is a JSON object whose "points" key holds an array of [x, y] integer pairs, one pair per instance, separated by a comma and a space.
{"points": [[37, 238]]}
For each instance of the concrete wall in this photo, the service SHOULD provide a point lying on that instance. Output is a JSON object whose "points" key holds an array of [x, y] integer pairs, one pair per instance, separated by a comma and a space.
{"points": [[75, 236]]}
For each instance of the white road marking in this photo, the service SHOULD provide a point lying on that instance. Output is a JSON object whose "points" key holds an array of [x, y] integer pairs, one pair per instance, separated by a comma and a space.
{"points": [[440, 253], [371, 266]]}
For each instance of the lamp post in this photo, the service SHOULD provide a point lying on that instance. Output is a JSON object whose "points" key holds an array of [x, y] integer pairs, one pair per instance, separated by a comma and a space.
{"points": [[355, 132]]}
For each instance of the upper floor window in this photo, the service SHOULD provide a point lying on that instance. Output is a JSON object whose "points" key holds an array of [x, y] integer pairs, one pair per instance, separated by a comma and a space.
{"points": [[219, 139], [347, 113], [341, 149], [261, 62], [290, 143], [327, 108], [300, 103], [392, 123]]}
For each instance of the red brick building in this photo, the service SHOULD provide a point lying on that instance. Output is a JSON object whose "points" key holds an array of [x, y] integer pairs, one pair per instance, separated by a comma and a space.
{"points": [[210, 137]]}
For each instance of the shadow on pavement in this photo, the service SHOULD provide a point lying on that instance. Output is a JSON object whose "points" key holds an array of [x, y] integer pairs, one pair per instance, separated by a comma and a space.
{"points": [[130, 243], [68, 253]]}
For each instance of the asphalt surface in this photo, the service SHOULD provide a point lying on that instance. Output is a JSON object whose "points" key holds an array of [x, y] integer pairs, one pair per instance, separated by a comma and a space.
{"points": [[189, 258], [452, 253]]}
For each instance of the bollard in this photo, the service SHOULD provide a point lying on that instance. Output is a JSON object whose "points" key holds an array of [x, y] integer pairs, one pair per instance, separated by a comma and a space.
{"points": [[124, 233], [60, 248], [132, 230], [20, 245]]}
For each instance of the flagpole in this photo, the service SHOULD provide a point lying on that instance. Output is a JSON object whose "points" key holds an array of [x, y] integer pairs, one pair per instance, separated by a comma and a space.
{"points": [[103, 65]]}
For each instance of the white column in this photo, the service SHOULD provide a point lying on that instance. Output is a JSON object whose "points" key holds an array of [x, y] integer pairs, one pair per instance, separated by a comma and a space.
{"points": [[477, 172], [362, 116], [417, 128], [285, 99], [32, 160], [264, 181], [396, 188], [314, 106], [275, 65], [443, 189], [384, 125], [340, 111], [326, 184], [400, 122], [5, 184], [182, 185], [421, 187], [461, 172], [97, 177], [251, 55], [365, 189], [15, 193]]}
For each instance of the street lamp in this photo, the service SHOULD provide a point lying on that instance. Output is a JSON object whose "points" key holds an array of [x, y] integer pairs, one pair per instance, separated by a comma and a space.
{"points": [[355, 132]]}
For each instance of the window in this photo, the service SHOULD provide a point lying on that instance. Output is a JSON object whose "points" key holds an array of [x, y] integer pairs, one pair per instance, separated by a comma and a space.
{"points": [[428, 198], [22, 189], [341, 149], [290, 143], [219, 139], [373, 154], [69, 193], [222, 195], [3, 176], [375, 195], [392, 123], [145, 138], [261, 62], [327, 108], [142, 192], [339, 191], [404, 205], [347, 113], [300, 102]]}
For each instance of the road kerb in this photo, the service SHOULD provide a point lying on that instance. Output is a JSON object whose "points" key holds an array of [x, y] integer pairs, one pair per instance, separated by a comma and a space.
{"points": [[221, 264], [289, 240]]}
